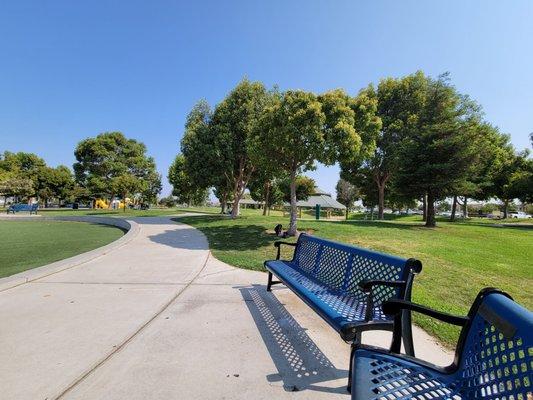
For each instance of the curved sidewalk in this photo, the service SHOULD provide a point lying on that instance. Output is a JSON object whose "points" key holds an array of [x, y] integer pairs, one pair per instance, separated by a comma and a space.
{"points": [[159, 318]]}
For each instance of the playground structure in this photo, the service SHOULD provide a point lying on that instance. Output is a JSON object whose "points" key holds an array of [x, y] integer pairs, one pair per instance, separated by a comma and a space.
{"points": [[115, 204]]}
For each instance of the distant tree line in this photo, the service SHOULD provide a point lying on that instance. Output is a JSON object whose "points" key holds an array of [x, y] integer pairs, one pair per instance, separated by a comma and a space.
{"points": [[433, 144], [107, 166], [409, 139]]}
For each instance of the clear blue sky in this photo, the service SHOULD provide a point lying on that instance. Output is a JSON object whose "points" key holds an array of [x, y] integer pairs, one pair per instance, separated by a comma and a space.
{"points": [[69, 70]]}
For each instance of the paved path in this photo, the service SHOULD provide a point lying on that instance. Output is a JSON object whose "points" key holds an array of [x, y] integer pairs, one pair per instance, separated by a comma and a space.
{"points": [[160, 318]]}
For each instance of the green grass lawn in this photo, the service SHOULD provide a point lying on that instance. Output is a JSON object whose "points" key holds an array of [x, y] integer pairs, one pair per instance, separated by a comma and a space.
{"points": [[29, 244], [459, 258]]}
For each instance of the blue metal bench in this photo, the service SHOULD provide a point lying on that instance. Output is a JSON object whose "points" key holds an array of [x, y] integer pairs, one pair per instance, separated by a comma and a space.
{"points": [[493, 359], [347, 285], [32, 208]]}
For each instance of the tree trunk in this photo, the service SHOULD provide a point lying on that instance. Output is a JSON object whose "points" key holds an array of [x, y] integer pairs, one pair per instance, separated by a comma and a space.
{"points": [[267, 197], [465, 207], [236, 207], [381, 199], [294, 208], [454, 208], [223, 201], [430, 213], [424, 208], [505, 208]]}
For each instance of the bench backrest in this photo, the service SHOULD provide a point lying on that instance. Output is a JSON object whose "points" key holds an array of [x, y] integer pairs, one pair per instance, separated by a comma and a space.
{"points": [[495, 351], [24, 207], [342, 267]]}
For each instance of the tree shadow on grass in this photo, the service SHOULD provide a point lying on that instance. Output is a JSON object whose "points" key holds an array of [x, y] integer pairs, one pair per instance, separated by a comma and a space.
{"points": [[237, 237], [384, 224], [300, 363]]}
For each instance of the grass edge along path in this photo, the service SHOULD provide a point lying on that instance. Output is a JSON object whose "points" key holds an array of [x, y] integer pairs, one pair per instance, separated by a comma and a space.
{"points": [[458, 258], [26, 245]]}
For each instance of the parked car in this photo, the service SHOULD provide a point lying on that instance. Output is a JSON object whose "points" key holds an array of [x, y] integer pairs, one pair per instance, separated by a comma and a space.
{"points": [[518, 214]]}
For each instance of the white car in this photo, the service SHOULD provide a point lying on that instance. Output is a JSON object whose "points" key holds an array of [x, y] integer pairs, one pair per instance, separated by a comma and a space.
{"points": [[519, 214]]}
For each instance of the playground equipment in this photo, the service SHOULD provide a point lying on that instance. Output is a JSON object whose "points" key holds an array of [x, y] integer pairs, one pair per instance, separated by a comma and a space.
{"points": [[115, 204]]}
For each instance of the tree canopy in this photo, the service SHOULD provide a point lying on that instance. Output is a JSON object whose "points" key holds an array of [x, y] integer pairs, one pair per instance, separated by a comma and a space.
{"points": [[301, 128], [110, 157], [184, 189]]}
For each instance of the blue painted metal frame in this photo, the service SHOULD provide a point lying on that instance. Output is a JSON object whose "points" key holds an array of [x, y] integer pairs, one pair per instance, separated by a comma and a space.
{"points": [[347, 285], [493, 360], [32, 208]]}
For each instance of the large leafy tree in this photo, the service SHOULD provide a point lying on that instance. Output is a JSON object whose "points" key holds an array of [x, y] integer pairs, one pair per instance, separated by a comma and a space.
{"points": [[438, 150], [232, 126], [301, 128], [492, 150], [203, 163], [185, 190], [102, 159], [399, 103], [513, 180], [19, 173], [54, 182]]}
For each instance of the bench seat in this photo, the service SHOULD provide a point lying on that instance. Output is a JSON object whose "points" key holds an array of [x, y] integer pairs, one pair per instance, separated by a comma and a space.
{"points": [[493, 359], [342, 310]]}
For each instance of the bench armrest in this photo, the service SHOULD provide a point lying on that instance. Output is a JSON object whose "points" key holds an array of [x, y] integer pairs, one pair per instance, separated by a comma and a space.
{"points": [[367, 285], [393, 307], [277, 245]]}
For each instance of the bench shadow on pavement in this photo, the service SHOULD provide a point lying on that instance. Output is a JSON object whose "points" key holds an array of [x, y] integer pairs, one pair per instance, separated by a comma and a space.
{"points": [[300, 363]]}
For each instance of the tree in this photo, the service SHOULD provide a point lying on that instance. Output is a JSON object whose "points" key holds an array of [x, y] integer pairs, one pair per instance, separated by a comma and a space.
{"points": [[492, 149], [398, 103], [265, 188], [362, 179], [151, 188], [20, 171], [513, 180], [102, 159], [12, 185], [203, 162], [347, 193], [301, 128], [437, 152], [54, 182], [305, 187], [232, 126], [127, 184], [183, 187]]}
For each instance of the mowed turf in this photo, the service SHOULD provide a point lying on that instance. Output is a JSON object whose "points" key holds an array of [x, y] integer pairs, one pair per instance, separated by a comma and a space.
{"points": [[458, 258], [29, 244]]}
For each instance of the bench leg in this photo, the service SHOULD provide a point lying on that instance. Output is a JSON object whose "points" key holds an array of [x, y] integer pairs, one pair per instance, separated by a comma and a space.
{"points": [[353, 346], [271, 282], [407, 334]]}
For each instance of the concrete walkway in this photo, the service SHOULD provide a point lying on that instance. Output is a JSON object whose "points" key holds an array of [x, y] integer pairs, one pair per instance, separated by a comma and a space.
{"points": [[159, 318]]}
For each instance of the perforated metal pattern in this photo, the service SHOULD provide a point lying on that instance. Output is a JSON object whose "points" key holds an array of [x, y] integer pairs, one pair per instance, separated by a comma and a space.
{"points": [[495, 367], [365, 268], [332, 267], [348, 307], [332, 271], [391, 380], [496, 363], [306, 254]]}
